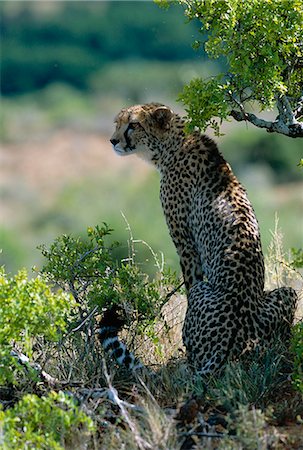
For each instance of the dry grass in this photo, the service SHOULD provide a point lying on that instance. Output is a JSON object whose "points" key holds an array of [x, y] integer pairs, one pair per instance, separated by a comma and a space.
{"points": [[279, 271]]}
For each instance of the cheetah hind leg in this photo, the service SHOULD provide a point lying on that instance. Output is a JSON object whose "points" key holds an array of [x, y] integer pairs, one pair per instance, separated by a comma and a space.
{"points": [[212, 327], [277, 314]]}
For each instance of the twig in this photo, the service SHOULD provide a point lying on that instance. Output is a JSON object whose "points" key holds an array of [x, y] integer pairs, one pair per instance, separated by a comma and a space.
{"points": [[44, 376], [289, 267], [84, 321], [71, 282], [25, 362], [159, 265], [131, 247], [171, 293], [142, 444], [82, 257]]}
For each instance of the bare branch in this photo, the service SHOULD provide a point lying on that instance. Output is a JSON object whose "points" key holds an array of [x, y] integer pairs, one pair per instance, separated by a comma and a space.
{"points": [[90, 314], [27, 364], [41, 375], [298, 111], [286, 122], [293, 129], [286, 114]]}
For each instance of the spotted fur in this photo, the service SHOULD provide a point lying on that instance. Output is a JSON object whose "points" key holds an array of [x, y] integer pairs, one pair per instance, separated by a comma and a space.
{"points": [[216, 234]]}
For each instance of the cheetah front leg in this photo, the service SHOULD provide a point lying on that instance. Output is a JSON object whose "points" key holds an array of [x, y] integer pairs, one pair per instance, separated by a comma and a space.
{"points": [[191, 267]]}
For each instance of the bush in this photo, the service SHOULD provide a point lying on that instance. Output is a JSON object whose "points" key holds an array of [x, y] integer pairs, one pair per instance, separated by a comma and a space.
{"points": [[297, 348], [28, 309], [52, 421], [86, 268]]}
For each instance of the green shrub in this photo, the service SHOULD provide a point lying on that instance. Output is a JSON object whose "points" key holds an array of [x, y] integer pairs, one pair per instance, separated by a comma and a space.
{"points": [[28, 309], [49, 422], [209, 107], [297, 254], [250, 430], [86, 268], [297, 348]]}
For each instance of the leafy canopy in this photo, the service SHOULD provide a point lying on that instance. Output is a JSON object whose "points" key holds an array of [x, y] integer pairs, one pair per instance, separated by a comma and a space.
{"points": [[261, 42]]}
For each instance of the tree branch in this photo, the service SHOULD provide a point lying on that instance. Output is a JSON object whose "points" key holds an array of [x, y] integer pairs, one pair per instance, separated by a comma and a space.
{"points": [[24, 361], [287, 124], [298, 111]]}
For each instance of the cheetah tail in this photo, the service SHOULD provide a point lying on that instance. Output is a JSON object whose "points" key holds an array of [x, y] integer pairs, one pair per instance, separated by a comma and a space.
{"points": [[109, 327]]}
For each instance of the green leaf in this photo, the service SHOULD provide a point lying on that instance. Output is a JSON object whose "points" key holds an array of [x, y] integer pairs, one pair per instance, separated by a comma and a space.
{"points": [[261, 42]]}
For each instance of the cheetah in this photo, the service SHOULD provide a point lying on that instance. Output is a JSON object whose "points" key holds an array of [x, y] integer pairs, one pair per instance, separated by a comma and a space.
{"points": [[216, 235]]}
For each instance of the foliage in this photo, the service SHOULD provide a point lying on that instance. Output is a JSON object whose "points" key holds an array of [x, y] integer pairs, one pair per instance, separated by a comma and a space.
{"points": [[250, 429], [28, 308], [87, 269], [205, 100], [52, 421], [262, 45], [81, 266], [297, 254], [297, 348]]}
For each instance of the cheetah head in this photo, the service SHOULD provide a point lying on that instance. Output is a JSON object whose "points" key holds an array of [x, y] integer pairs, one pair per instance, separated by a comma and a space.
{"points": [[140, 129]]}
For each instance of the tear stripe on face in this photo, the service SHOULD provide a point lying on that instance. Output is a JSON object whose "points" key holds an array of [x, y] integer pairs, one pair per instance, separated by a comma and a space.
{"points": [[127, 137]]}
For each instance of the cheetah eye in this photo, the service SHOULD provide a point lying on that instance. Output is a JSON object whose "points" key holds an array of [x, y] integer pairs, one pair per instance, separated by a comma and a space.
{"points": [[133, 125]]}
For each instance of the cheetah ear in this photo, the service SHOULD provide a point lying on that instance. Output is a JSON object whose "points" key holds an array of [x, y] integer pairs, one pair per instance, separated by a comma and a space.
{"points": [[162, 116]]}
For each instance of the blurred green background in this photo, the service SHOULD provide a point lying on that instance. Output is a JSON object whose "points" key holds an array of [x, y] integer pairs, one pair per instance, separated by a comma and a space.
{"points": [[67, 68]]}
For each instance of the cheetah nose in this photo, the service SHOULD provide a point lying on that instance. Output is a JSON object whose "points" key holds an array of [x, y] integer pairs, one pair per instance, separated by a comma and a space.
{"points": [[114, 141]]}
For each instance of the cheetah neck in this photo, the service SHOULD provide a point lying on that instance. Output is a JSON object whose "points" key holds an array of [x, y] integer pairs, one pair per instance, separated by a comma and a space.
{"points": [[167, 149]]}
